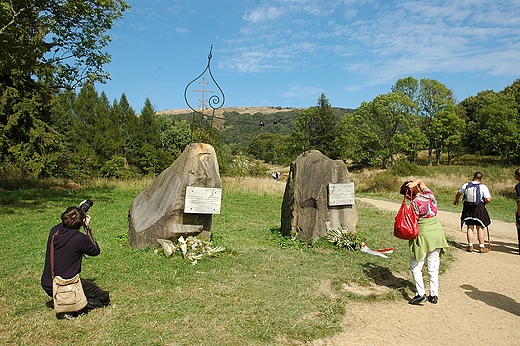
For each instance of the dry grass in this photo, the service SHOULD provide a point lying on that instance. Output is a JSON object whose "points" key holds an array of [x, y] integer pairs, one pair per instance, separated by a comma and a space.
{"points": [[449, 181], [442, 181], [496, 184], [262, 185]]}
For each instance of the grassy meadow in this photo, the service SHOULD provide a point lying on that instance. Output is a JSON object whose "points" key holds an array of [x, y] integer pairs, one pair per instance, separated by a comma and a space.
{"points": [[265, 289]]}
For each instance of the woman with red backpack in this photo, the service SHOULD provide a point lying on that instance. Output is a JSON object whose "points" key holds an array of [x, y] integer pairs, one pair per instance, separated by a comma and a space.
{"points": [[430, 242]]}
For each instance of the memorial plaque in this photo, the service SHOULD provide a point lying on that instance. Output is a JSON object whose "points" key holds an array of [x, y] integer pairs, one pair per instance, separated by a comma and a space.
{"points": [[202, 200], [341, 194]]}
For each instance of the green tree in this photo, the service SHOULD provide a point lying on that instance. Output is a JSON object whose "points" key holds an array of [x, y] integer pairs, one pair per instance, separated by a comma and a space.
{"points": [[513, 89], [492, 122], [106, 133], [271, 148], [378, 130], [175, 135], [74, 116], [302, 132], [468, 109], [411, 143], [117, 122], [446, 130], [436, 101], [149, 126], [408, 86], [325, 129], [29, 146], [500, 132], [83, 162], [414, 140], [148, 141], [129, 129], [47, 46], [57, 43], [316, 128]]}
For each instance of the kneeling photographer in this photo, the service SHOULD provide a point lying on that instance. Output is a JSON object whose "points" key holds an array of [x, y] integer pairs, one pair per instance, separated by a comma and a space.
{"points": [[66, 247]]}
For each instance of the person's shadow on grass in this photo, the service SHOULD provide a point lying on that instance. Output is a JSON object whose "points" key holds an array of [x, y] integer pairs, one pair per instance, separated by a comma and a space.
{"points": [[493, 299], [383, 276]]}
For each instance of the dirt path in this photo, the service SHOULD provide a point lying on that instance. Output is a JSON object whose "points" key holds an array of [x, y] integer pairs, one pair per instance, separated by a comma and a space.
{"points": [[479, 299]]}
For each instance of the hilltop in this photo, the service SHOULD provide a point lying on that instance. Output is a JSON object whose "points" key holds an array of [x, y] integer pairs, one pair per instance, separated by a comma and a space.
{"points": [[240, 125], [239, 110]]}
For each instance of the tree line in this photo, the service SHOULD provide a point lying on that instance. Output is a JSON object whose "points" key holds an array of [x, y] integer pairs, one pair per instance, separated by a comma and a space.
{"points": [[99, 138], [53, 123], [85, 135], [422, 115], [415, 116]]}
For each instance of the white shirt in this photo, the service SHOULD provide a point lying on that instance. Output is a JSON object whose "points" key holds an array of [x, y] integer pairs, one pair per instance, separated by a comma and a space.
{"points": [[484, 191]]}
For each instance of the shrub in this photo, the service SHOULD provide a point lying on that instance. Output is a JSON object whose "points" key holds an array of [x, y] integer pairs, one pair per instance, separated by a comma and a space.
{"points": [[403, 168], [117, 167], [383, 181]]}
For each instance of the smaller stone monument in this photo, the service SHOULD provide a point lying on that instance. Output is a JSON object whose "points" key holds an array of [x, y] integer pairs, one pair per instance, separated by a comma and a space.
{"points": [[159, 211], [318, 195]]}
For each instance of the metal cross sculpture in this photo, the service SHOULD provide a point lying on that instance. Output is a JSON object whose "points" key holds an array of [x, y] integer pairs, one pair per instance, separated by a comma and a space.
{"points": [[215, 101]]}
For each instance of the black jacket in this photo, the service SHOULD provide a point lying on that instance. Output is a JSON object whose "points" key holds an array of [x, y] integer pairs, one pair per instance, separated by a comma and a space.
{"points": [[69, 247]]}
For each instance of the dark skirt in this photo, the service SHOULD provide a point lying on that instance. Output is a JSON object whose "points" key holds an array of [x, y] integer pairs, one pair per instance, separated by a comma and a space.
{"points": [[475, 215]]}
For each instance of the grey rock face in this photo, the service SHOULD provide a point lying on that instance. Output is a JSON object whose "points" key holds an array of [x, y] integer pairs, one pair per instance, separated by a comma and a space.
{"points": [[158, 211], [305, 209]]}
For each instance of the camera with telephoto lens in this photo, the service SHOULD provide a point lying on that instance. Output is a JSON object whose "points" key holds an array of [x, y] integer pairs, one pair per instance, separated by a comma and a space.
{"points": [[85, 205]]}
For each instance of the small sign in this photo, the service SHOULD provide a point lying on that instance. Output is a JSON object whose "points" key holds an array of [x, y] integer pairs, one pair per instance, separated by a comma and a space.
{"points": [[341, 194], [202, 200]]}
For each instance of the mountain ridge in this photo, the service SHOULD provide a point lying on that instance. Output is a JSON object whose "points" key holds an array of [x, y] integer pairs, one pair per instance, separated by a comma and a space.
{"points": [[239, 110]]}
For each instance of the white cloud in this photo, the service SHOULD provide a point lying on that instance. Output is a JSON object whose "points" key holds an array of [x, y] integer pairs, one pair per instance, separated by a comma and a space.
{"points": [[379, 42], [422, 38], [303, 92], [264, 13], [182, 30], [253, 60], [262, 58]]}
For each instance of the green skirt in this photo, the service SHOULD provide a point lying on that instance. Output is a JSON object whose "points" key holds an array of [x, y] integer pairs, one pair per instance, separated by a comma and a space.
{"points": [[431, 237]]}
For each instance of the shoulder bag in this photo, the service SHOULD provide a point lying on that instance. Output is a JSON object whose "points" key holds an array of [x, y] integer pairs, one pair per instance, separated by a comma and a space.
{"points": [[67, 294], [405, 225]]}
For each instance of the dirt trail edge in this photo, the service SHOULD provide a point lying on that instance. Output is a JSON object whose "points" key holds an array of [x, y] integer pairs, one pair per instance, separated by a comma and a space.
{"points": [[479, 299]]}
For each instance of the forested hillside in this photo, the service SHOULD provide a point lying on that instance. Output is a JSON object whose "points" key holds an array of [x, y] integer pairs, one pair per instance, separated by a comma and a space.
{"points": [[238, 126]]}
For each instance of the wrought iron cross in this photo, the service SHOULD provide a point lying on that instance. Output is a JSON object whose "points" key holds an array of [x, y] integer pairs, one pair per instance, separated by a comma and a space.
{"points": [[214, 102]]}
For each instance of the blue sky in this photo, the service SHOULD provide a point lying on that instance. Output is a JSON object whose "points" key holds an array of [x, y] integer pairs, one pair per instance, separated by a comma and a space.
{"points": [[287, 52]]}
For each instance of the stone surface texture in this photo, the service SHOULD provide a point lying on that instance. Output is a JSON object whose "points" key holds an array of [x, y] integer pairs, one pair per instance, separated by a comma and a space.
{"points": [[305, 209], [158, 210]]}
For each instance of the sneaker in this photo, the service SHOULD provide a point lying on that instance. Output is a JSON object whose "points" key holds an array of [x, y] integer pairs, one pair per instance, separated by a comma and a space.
{"points": [[483, 249], [418, 299], [469, 248], [433, 299]]}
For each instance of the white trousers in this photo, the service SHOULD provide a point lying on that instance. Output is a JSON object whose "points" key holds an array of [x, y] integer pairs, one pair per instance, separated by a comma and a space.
{"points": [[433, 260]]}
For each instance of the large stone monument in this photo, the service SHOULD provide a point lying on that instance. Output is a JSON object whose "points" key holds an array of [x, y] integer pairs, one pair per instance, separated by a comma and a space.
{"points": [[159, 210], [318, 196]]}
